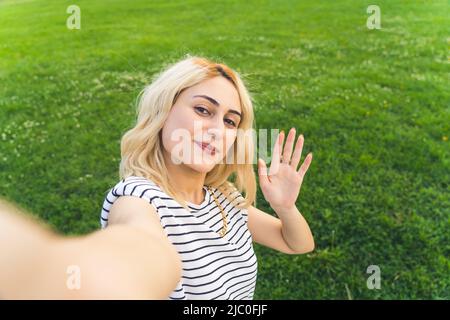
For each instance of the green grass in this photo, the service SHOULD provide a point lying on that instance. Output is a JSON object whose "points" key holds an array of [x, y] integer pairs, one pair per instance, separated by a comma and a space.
{"points": [[372, 104]]}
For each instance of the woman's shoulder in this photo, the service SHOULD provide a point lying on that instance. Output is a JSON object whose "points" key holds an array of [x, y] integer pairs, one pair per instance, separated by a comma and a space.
{"points": [[135, 186]]}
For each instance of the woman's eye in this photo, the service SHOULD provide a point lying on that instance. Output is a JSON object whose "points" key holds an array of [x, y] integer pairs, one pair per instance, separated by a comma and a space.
{"points": [[231, 122], [205, 112], [202, 110]]}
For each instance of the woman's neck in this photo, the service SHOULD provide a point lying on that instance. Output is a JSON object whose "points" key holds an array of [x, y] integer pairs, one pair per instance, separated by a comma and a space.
{"points": [[189, 183]]}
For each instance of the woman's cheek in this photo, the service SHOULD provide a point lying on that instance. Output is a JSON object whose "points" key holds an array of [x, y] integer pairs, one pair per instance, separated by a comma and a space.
{"points": [[179, 127], [228, 144]]}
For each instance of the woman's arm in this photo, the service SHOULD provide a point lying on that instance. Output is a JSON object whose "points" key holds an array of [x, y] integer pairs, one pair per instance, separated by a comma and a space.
{"points": [[120, 262], [280, 186], [286, 236]]}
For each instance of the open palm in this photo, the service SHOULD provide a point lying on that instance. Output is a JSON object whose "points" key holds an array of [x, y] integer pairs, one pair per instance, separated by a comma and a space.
{"points": [[281, 185]]}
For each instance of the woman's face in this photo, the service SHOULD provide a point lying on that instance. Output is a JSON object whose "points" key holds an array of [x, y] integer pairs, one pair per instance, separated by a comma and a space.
{"points": [[202, 124]]}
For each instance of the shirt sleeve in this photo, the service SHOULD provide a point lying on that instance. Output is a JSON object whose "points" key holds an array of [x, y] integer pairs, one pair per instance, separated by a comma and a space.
{"points": [[140, 188]]}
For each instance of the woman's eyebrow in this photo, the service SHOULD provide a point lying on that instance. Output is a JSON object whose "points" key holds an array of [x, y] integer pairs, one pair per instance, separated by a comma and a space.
{"points": [[214, 102]]}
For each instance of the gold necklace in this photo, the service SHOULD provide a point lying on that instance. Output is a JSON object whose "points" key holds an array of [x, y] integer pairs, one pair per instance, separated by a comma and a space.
{"points": [[223, 232]]}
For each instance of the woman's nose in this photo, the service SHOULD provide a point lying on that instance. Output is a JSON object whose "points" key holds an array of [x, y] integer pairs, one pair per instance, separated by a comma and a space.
{"points": [[215, 128]]}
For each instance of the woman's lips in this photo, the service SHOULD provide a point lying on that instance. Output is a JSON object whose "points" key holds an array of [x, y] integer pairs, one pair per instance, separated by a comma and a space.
{"points": [[206, 147]]}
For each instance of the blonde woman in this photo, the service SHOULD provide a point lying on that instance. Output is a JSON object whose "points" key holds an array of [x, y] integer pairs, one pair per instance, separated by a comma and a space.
{"points": [[177, 226]]}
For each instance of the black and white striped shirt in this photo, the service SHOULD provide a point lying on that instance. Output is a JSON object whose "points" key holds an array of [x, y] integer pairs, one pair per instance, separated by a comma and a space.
{"points": [[213, 267]]}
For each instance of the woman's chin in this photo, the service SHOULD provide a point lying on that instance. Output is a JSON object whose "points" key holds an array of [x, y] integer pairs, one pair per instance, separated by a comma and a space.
{"points": [[204, 167], [200, 162]]}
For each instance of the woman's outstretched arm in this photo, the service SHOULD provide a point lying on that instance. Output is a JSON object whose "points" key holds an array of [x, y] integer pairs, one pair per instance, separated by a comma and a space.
{"points": [[130, 259]]}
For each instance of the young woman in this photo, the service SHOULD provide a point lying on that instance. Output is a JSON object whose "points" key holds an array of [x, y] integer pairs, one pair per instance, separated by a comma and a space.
{"points": [[177, 225]]}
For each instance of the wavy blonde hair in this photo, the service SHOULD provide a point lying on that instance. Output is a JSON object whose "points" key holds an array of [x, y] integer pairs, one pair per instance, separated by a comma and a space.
{"points": [[141, 146]]}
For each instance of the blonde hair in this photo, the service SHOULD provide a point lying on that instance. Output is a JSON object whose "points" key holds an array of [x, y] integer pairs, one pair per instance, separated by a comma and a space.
{"points": [[141, 146]]}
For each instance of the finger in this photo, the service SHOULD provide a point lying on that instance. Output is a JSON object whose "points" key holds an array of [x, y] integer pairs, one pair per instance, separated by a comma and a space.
{"points": [[275, 163], [304, 167], [262, 173], [287, 152], [297, 152], [280, 142]]}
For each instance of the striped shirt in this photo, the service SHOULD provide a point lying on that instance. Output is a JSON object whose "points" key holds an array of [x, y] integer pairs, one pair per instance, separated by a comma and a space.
{"points": [[212, 267]]}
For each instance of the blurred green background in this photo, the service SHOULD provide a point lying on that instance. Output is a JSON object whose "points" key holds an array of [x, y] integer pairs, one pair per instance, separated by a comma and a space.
{"points": [[373, 106]]}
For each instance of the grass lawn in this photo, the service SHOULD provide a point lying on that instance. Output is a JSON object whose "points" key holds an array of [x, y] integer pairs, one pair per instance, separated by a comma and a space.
{"points": [[373, 106]]}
